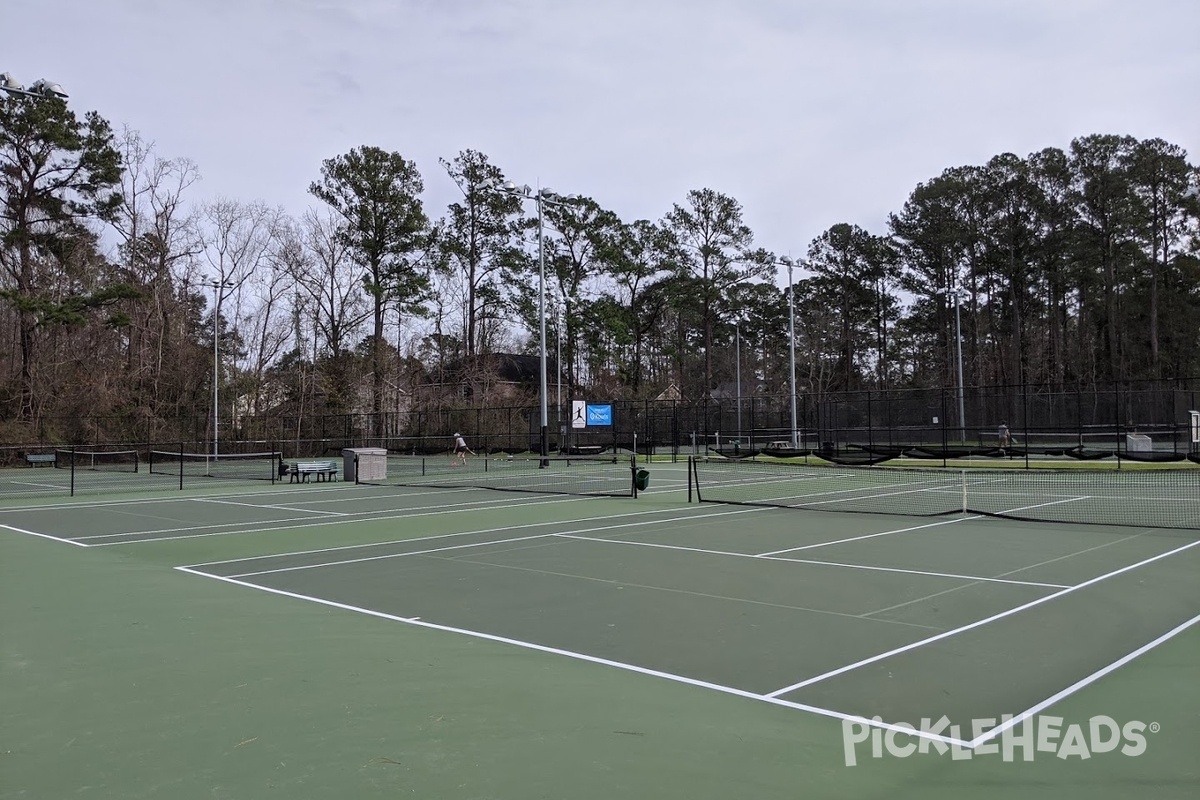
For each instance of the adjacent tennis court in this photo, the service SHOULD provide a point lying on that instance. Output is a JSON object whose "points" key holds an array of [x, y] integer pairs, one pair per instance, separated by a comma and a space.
{"points": [[914, 611]]}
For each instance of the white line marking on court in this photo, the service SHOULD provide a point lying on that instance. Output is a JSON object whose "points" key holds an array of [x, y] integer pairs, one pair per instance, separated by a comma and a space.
{"points": [[917, 527], [1004, 574], [871, 535], [420, 623], [1075, 687], [434, 536], [1043, 505], [346, 520], [219, 502], [482, 544], [867, 567], [206, 527], [488, 504], [185, 497], [913, 645], [55, 486], [44, 536], [364, 559], [673, 590]]}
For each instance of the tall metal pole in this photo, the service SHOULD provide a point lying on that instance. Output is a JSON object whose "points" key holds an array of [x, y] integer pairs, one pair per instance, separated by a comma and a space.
{"points": [[562, 430], [737, 331], [792, 348], [216, 405], [962, 417], [545, 441]]}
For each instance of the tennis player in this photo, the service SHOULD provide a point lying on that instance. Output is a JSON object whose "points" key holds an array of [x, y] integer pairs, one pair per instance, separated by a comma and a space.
{"points": [[461, 449]]}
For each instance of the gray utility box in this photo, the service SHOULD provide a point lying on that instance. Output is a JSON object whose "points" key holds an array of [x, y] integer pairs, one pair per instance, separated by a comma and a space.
{"points": [[1138, 443]]}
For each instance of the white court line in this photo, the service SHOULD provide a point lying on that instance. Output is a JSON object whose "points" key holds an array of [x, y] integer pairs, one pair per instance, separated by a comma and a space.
{"points": [[918, 527], [1005, 575], [273, 507], [210, 526], [177, 497], [428, 538], [1075, 687], [946, 634], [819, 563], [44, 536], [871, 535], [206, 527], [420, 623], [346, 520], [365, 559], [486, 544], [620, 584], [56, 487]]}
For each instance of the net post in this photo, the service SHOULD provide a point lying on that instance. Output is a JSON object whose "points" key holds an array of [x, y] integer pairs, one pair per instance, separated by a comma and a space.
{"points": [[181, 466], [690, 467], [963, 478], [72, 470]]}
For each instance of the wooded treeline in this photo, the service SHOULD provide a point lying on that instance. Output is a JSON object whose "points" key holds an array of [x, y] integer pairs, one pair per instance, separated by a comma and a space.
{"points": [[1070, 268]]}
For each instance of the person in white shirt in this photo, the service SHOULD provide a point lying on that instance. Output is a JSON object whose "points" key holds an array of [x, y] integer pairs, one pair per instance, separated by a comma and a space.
{"points": [[461, 449]]}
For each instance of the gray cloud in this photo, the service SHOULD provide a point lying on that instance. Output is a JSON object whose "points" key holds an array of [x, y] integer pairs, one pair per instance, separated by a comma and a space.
{"points": [[810, 113]]}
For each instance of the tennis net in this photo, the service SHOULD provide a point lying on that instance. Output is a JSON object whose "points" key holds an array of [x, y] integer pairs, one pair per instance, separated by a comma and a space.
{"points": [[609, 476], [97, 460], [233, 466], [1158, 498]]}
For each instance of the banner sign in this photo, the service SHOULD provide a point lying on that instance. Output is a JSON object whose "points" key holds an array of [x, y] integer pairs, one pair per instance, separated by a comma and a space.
{"points": [[600, 414]]}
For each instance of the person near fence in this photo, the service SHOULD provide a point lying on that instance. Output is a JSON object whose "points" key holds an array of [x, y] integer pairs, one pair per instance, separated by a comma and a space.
{"points": [[461, 449], [1004, 437]]}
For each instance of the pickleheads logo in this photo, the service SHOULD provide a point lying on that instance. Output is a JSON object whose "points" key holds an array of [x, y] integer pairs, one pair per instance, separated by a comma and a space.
{"points": [[1008, 738]]}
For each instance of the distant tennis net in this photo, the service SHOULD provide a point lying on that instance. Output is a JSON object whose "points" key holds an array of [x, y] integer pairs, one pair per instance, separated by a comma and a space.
{"points": [[1158, 498], [605, 476], [233, 466], [97, 460]]}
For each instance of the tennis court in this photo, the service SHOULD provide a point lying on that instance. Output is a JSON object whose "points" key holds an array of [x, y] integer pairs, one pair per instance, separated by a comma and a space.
{"points": [[914, 611]]}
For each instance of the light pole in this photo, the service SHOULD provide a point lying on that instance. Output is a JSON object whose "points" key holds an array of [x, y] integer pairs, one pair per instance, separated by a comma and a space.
{"points": [[787, 262], [956, 292], [540, 197], [218, 288], [40, 89], [737, 333], [558, 406]]}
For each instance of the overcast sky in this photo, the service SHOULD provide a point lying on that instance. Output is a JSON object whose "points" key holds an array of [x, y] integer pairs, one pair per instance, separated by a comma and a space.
{"points": [[809, 113]]}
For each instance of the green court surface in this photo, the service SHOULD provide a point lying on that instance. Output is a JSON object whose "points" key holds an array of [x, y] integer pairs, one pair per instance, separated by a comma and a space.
{"points": [[333, 640]]}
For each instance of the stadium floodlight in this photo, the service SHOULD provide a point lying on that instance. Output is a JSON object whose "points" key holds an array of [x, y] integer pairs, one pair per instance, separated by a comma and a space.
{"points": [[41, 89], [48, 88], [541, 197], [789, 263]]}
